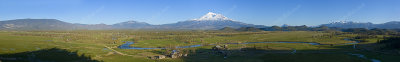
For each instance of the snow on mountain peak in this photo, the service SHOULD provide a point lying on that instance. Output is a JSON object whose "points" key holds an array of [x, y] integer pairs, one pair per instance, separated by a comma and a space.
{"points": [[212, 16]]}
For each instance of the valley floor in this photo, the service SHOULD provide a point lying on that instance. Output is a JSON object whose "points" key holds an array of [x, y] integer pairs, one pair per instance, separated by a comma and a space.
{"points": [[102, 45]]}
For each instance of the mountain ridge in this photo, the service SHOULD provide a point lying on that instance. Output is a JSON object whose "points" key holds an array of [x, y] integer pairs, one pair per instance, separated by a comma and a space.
{"points": [[54, 24], [209, 21], [368, 25]]}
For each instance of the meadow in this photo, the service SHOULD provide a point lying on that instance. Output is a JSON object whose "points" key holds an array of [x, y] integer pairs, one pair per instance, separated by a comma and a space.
{"points": [[102, 45]]}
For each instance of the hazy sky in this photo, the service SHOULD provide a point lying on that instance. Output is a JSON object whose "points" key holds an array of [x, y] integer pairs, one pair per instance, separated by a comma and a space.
{"points": [[260, 12]]}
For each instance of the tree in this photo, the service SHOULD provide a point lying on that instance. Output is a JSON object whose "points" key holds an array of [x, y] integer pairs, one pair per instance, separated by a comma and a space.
{"points": [[276, 28]]}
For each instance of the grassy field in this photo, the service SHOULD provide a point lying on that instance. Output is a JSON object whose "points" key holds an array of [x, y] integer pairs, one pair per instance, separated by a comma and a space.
{"points": [[91, 45]]}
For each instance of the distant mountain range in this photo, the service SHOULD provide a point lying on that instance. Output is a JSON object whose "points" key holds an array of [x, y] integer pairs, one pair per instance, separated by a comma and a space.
{"points": [[36, 24], [210, 21], [131, 25], [368, 25]]}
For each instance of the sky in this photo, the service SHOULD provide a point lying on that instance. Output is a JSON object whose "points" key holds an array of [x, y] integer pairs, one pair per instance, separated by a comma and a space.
{"points": [[259, 12]]}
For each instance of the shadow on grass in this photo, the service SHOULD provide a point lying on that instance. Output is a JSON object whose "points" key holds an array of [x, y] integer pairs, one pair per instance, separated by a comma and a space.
{"points": [[338, 53], [46, 55]]}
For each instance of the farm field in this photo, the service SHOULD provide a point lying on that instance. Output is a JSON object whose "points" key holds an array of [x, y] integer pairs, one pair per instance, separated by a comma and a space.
{"points": [[200, 31], [103, 45]]}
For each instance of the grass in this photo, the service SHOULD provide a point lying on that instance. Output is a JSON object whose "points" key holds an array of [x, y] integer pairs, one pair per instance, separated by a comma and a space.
{"points": [[92, 43]]}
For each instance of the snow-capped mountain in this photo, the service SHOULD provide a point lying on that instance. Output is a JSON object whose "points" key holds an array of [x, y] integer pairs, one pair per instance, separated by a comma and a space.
{"points": [[210, 16], [368, 25], [343, 22], [204, 24], [209, 21]]}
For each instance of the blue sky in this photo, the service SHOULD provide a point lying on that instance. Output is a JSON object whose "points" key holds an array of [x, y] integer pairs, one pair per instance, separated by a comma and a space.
{"points": [[260, 12]]}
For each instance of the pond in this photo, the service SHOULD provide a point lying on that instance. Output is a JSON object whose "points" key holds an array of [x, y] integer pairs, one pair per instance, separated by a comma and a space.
{"points": [[128, 43]]}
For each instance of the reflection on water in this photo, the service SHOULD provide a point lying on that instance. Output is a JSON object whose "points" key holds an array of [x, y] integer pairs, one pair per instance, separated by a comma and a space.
{"points": [[128, 43]]}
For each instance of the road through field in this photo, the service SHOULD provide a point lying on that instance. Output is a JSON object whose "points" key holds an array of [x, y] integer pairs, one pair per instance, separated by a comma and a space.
{"points": [[117, 51]]}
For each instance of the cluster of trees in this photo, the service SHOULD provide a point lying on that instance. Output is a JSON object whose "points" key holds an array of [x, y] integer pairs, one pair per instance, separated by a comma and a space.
{"points": [[300, 28], [286, 28], [375, 31], [391, 42], [252, 29]]}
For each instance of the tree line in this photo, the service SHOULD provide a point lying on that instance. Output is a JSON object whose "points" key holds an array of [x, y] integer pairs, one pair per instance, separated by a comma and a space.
{"points": [[374, 31]]}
